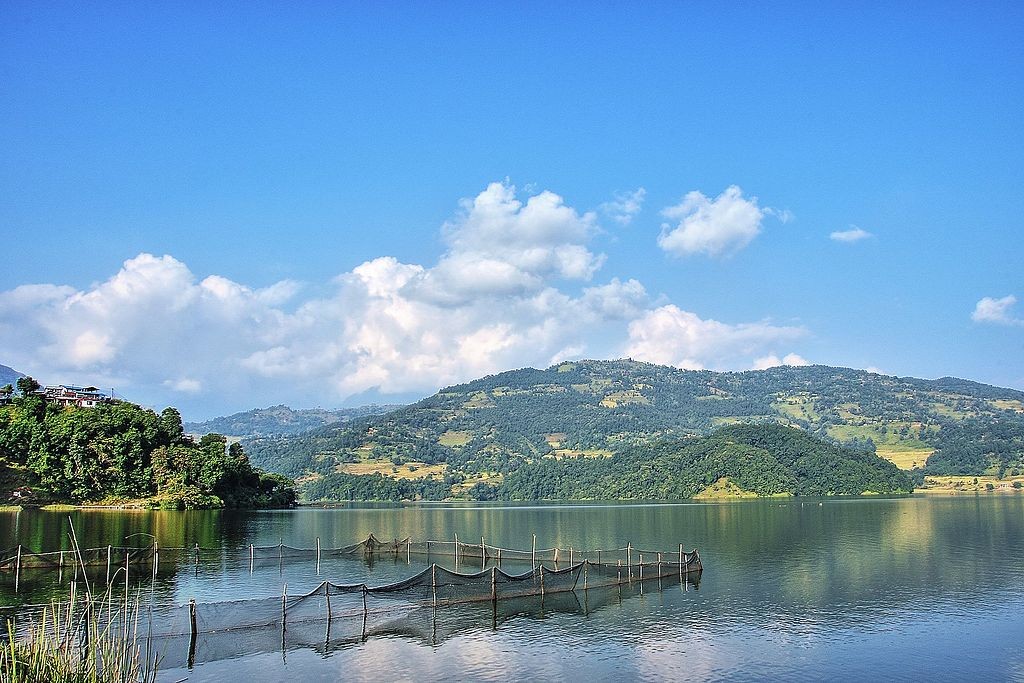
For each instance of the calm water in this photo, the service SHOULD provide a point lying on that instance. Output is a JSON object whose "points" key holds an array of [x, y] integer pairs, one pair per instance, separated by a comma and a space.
{"points": [[905, 588]]}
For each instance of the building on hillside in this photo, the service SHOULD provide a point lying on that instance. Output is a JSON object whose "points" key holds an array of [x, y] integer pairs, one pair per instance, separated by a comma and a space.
{"points": [[82, 397]]}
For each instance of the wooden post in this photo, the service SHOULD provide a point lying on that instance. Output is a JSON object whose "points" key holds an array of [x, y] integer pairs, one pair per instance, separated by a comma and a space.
{"points": [[456, 551], [408, 550], [17, 569], [535, 550], [318, 556], [252, 557], [586, 563], [108, 565], [284, 606], [629, 560], [570, 556], [641, 570], [192, 617], [327, 591], [197, 555], [599, 557], [556, 557], [499, 557], [494, 584], [542, 581], [193, 632], [483, 555], [433, 582]]}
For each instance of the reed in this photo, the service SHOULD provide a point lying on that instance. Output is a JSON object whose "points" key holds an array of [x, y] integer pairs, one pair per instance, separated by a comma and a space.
{"points": [[87, 639]]}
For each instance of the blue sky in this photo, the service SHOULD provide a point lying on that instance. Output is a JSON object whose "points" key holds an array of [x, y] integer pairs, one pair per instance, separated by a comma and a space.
{"points": [[222, 207]]}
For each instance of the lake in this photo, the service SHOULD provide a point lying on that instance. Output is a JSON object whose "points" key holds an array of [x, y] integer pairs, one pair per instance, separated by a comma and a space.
{"points": [[901, 588]]}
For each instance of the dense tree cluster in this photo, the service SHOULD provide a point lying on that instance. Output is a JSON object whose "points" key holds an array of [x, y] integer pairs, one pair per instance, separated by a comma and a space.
{"points": [[120, 451]]}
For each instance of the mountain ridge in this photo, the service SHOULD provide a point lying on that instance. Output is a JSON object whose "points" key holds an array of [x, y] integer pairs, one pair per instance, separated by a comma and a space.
{"points": [[480, 431]]}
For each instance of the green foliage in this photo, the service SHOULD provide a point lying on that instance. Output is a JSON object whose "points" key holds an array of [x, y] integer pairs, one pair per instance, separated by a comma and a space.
{"points": [[120, 451], [765, 459]]}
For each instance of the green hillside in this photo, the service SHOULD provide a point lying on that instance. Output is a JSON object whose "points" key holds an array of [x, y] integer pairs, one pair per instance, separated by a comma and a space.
{"points": [[479, 434]]}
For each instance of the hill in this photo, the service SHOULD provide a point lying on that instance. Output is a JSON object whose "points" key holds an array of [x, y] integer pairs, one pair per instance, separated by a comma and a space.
{"points": [[483, 431], [119, 452], [281, 420], [9, 375]]}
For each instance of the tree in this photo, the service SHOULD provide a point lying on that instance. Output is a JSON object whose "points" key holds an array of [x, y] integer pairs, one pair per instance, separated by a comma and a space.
{"points": [[27, 386], [6, 391], [170, 425]]}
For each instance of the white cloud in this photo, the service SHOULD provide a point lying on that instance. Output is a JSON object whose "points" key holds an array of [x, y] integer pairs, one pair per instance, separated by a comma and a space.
{"points": [[500, 246], [671, 336], [854, 234], [185, 385], [716, 227], [624, 206], [998, 311], [494, 300], [772, 361], [875, 370]]}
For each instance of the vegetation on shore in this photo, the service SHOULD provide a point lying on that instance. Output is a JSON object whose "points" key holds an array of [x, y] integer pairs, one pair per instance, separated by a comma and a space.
{"points": [[119, 452]]}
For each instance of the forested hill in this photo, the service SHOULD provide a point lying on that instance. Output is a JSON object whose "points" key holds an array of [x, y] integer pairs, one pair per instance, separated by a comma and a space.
{"points": [[765, 460], [118, 452], [482, 431], [281, 420]]}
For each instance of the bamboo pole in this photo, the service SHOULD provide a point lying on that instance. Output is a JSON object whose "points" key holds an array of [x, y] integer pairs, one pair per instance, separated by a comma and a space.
{"points": [[284, 607], [542, 581], [108, 565], [570, 556], [586, 564], [408, 550], [483, 555], [252, 557], [17, 570], [535, 550], [494, 584], [456, 551], [156, 557], [193, 632], [318, 556], [433, 582], [629, 560]]}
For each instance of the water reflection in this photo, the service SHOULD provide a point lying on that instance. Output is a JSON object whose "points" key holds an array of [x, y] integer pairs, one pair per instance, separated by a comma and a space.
{"points": [[795, 588]]}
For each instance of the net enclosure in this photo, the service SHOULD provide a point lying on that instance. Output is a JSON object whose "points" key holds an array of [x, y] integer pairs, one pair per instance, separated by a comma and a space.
{"points": [[484, 577]]}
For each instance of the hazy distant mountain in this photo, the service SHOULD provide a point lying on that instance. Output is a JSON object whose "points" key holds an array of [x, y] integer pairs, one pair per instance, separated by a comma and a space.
{"points": [[482, 431], [281, 420], [9, 375]]}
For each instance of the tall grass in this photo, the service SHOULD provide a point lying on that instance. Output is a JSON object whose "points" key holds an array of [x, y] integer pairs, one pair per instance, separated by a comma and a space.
{"points": [[88, 639]]}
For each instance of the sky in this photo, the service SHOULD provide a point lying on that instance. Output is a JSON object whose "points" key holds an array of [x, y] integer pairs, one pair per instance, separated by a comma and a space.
{"points": [[222, 206]]}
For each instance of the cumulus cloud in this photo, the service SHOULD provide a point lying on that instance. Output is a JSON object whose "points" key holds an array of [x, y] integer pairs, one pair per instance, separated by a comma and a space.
{"points": [[669, 335], [773, 361], [624, 206], [997, 311], [854, 234], [716, 227], [496, 298], [501, 246]]}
